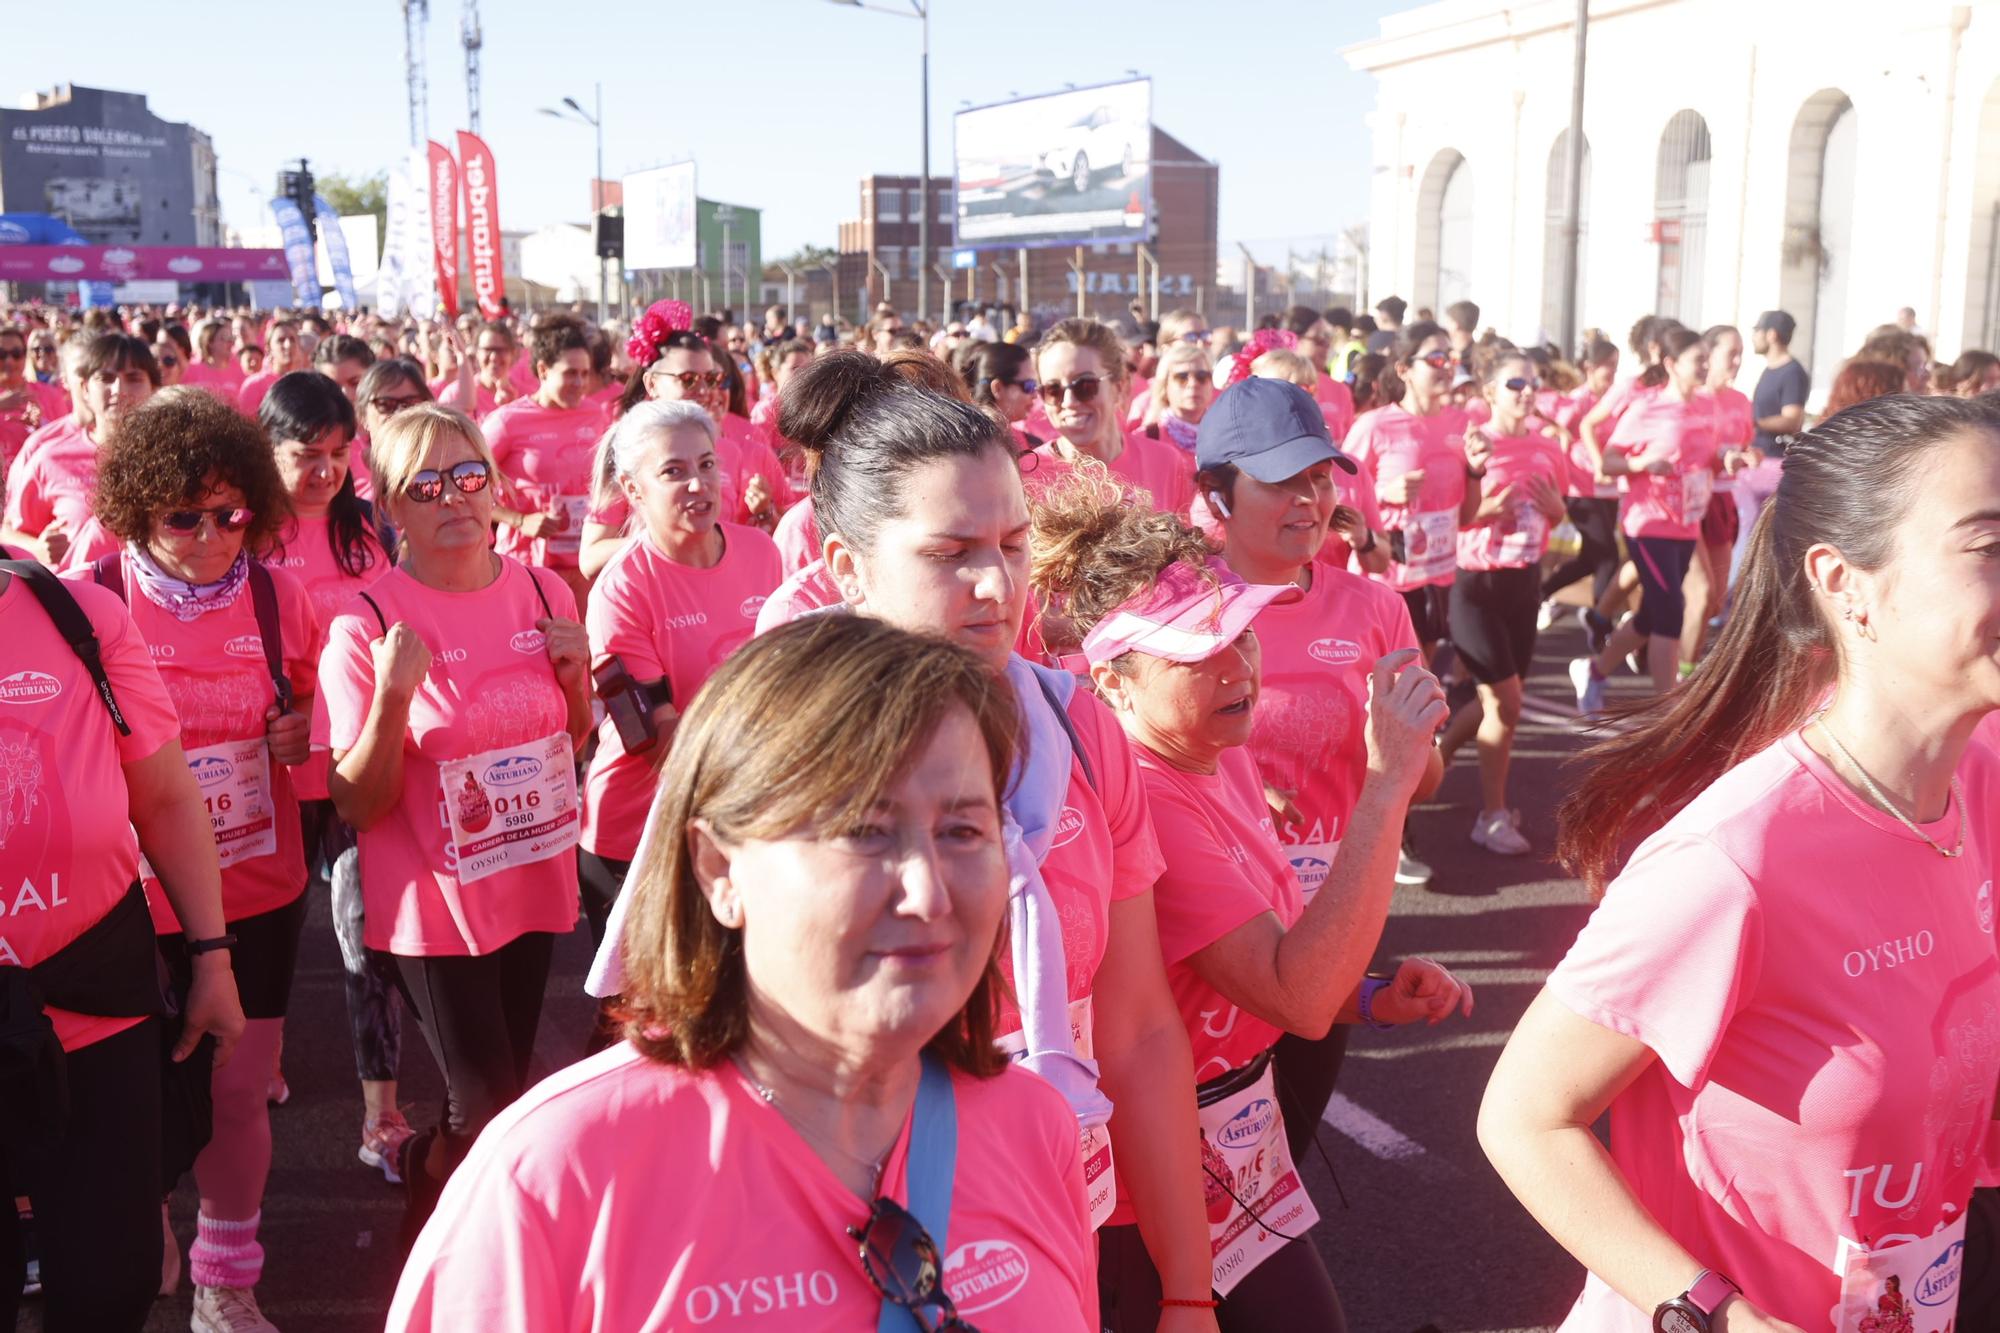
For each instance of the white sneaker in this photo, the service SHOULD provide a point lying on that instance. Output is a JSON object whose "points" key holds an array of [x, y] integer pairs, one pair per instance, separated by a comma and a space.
{"points": [[1589, 686], [1410, 871], [1496, 833], [1547, 616], [228, 1310]]}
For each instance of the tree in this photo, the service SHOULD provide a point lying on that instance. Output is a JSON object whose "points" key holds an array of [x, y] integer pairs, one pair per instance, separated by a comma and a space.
{"points": [[808, 256], [352, 196]]}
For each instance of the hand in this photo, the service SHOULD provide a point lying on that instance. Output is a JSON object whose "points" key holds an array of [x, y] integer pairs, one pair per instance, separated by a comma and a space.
{"points": [[1405, 706], [1422, 990], [569, 652], [1737, 1315], [289, 735], [1402, 490], [1494, 505], [1735, 461], [757, 495], [51, 544], [1544, 495], [212, 1006], [536, 523], [401, 661], [1478, 450], [1661, 467], [1284, 808], [1347, 521], [26, 408]]}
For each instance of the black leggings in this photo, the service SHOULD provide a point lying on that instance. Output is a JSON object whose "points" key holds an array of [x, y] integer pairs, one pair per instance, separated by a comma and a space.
{"points": [[1290, 1289], [478, 1015], [96, 1195], [1596, 523], [600, 880], [1306, 1071]]}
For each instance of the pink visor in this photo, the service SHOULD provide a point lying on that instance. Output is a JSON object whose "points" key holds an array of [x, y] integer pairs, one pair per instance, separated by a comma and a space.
{"points": [[1183, 617]]}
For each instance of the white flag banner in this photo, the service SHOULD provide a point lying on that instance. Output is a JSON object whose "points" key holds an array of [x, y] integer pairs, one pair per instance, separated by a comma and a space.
{"points": [[406, 282]]}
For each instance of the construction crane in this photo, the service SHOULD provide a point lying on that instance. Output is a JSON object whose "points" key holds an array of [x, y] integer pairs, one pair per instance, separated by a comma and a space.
{"points": [[468, 36], [416, 26]]}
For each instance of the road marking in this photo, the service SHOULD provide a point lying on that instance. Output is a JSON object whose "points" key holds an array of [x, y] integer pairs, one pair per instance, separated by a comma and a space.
{"points": [[1426, 1045], [1369, 1130]]}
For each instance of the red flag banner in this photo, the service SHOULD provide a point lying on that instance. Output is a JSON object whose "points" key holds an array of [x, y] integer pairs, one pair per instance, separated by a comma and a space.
{"points": [[444, 225], [482, 222]]}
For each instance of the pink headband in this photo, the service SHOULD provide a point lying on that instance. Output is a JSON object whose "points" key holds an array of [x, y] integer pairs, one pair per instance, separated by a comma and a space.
{"points": [[1262, 341], [1184, 617]]}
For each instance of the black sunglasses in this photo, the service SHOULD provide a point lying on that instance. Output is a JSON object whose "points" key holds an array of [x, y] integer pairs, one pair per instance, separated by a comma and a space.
{"points": [[1083, 388], [469, 476], [1515, 384], [228, 518], [1193, 377], [901, 1259], [14, 354]]}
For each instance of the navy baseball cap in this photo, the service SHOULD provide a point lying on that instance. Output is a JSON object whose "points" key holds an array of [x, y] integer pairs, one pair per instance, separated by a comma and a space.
{"points": [[1272, 429]]}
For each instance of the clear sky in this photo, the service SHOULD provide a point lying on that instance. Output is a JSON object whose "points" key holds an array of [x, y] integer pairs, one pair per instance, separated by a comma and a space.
{"points": [[784, 104]]}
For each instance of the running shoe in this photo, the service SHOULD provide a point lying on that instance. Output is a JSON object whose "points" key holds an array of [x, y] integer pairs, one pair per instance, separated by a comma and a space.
{"points": [[382, 1140], [228, 1310], [1546, 617], [1596, 629], [1496, 833], [1589, 686], [1411, 872], [277, 1092]]}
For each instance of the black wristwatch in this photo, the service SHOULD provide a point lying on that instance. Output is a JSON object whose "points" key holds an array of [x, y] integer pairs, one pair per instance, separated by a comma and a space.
{"points": [[1364, 550], [1693, 1311], [196, 948]]}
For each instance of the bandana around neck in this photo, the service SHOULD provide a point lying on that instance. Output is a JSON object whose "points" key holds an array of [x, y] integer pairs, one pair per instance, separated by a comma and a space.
{"points": [[187, 601]]}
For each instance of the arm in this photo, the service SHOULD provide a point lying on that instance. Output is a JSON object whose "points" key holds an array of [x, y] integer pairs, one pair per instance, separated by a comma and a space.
{"points": [[1790, 420], [1589, 429], [1475, 506], [366, 782], [596, 547], [569, 654]]}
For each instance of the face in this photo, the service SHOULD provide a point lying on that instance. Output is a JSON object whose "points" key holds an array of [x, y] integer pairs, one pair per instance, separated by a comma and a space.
{"points": [[221, 345], [1280, 526], [42, 351], [314, 469], [113, 391], [1427, 380], [791, 366], [495, 353], [1601, 375], [453, 521], [675, 486], [1065, 363], [13, 357], [1196, 333], [285, 349], [1013, 397], [347, 374], [1760, 341], [1190, 389], [566, 382], [392, 397], [205, 554], [886, 335], [877, 934], [1511, 405], [1316, 344], [663, 381], [1690, 368], [251, 359], [955, 562], [736, 342], [1199, 708]]}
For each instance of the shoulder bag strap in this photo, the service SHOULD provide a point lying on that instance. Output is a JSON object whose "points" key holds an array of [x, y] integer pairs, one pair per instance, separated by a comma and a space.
{"points": [[75, 627], [264, 601], [932, 1165], [540, 596], [1069, 729], [376, 607]]}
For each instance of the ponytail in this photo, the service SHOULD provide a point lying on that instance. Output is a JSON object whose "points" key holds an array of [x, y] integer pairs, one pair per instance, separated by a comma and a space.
{"points": [[1672, 342]]}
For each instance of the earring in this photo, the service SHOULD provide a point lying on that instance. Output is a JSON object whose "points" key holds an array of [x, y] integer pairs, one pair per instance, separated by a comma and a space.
{"points": [[726, 913]]}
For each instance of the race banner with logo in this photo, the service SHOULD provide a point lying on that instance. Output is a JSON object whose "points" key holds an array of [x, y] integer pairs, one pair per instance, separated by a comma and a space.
{"points": [[297, 238], [444, 225], [404, 280], [336, 253], [482, 223]]}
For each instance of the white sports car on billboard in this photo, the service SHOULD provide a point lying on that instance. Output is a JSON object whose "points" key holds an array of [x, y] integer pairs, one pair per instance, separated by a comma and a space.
{"points": [[1093, 143]]}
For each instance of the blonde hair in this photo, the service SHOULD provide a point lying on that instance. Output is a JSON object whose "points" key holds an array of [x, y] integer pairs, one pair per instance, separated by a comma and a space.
{"points": [[397, 452], [1094, 548], [1175, 324], [1172, 358], [1281, 363], [1098, 336]]}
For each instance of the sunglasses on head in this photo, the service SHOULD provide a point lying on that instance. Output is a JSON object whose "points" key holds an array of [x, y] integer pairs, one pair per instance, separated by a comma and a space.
{"points": [[469, 476], [228, 518], [689, 379], [1083, 388], [1193, 377], [1515, 384], [901, 1259], [1442, 359]]}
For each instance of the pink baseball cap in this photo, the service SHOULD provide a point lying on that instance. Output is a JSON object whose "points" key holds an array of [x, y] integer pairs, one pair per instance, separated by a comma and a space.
{"points": [[1183, 617]]}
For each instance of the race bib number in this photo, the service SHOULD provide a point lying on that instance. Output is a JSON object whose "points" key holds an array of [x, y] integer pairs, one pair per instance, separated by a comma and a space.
{"points": [[1430, 545], [1311, 862], [1696, 487], [575, 512], [1256, 1201], [511, 806], [234, 779], [1908, 1288], [1525, 538], [1100, 1187]]}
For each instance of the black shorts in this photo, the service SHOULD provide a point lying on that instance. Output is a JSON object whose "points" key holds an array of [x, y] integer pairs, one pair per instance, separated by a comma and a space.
{"points": [[1662, 563], [1427, 611], [264, 959], [1721, 523], [1492, 621]]}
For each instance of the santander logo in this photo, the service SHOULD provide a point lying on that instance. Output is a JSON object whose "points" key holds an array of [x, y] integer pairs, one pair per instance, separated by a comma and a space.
{"points": [[1068, 825], [29, 687], [1334, 652], [528, 641], [984, 1273], [244, 645]]}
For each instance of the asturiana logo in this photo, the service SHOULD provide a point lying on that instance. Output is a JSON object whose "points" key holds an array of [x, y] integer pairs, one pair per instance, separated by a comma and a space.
{"points": [[1334, 652], [514, 769], [1311, 871], [1938, 1284], [211, 769], [984, 1273], [529, 641], [1068, 824], [752, 605], [1246, 1128], [29, 687], [244, 645]]}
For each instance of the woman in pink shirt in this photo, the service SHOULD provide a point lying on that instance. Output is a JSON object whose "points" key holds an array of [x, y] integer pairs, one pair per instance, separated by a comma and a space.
{"points": [[1080, 365], [679, 597], [386, 388], [457, 693], [763, 490], [188, 486], [1592, 506], [1165, 630], [1707, 586], [49, 486], [1664, 449], [1787, 996], [286, 354], [1315, 344], [26, 404], [214, 366], [812, 996], [1001, 379], [493, 360], [1182, 389]]}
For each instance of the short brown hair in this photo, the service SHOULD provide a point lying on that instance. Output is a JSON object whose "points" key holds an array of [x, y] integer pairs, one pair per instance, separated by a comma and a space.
{"points": [[750, 759], [1094, 334], [115, 351], [554, 336], [163, 454], [1094, 548]]}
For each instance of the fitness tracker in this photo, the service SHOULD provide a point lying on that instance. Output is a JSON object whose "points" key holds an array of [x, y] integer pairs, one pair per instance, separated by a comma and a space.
{"points": [[1693, 1310], [196, 948]]}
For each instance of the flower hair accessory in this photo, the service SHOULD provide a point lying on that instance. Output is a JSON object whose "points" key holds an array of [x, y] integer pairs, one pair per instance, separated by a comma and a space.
{"points": [[1262, 341], [661, 321]]}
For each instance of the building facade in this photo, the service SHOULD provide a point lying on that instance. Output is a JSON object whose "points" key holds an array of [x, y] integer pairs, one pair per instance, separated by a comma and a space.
{"points": [[102, 162], [1835, 159]]}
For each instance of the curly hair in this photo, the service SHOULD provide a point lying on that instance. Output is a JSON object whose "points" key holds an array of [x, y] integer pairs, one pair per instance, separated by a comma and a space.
{"points": [[1862, 379], [1094, 549], [173, 450]]}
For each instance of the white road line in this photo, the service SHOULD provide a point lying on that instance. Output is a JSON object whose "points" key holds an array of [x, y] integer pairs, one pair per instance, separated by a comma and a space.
{"points": [[1372, 1132]]}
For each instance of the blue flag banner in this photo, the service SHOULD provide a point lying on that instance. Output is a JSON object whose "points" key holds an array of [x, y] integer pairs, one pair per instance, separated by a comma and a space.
{"points": [[298, 252], [336, 253]]}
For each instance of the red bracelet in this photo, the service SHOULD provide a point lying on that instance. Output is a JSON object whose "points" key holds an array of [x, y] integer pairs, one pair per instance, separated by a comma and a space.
{"points": [[1170, 1302]]}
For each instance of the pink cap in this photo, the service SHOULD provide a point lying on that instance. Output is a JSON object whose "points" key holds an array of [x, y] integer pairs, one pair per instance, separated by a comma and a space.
{"points": [[1183, 617]]}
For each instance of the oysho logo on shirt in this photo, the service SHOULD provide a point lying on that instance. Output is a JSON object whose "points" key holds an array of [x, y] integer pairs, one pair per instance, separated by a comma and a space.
{"points": [[984, 1273], [29, 687], [687, 620], [1334, 652], [529, 641], [1068, 825], [752, 605], [245, 645], [771, 1293], [1983, 905], [1889, 954]]}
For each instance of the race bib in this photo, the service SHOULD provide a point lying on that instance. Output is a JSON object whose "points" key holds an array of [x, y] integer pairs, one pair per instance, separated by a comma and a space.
{"points": [[235, 783], [1696, 487], [1100, 1187], [1311, 862], [511, 806], [1256, 1201], [575, 512], [1526, 537], [1430, 544], [1908, 1288]]}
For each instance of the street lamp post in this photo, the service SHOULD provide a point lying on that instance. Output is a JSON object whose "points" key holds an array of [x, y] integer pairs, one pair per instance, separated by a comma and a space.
{"points": [[596, 122], [919, 10]]}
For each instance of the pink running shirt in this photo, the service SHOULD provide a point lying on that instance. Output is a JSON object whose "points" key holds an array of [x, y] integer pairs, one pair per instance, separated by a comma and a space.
{"points": [[1390, 441], [546, 454], [1681, 431], [52, 478], [1519, 536], [307, 554], [1152, 465]]}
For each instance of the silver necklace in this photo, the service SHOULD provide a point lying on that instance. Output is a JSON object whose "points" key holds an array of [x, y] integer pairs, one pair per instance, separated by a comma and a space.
{"points": [[1881, 799], [872, 1165]]}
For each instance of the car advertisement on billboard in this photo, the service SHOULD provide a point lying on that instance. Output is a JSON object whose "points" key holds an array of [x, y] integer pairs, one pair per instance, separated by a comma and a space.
{"points": [[1067, 168]]}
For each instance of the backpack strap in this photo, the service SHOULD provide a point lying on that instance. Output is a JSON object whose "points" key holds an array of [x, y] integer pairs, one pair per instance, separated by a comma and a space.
{"points": [[264, 601], [376, 607], [75, 627], [109, 571], [1069, 729], [543, 597]]}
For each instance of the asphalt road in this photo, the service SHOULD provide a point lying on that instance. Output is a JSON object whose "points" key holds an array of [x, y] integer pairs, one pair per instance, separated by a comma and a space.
{"points": [[1427, 1234]]}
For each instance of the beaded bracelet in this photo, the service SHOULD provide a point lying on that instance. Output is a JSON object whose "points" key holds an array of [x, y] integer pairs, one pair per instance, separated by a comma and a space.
{"points": [[1172, 1302]]}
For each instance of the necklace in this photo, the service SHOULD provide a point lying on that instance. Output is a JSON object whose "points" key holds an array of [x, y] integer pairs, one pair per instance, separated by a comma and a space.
{"points": [[1881, 799], [872, 1165]]}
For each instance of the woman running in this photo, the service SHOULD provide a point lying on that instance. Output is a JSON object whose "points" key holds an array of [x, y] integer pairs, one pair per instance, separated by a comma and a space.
{"points": [[1707, 585], [1183, 387], [50, 482], [1591, 500]]}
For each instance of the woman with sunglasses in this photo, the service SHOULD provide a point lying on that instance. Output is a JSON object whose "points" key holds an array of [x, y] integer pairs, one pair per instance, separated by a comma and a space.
{"points": [[1496, 596], [457, 693], [679, 597], [188, 485], [1165, 630], [1183, 387], [811, 997], [1001, 378], [763, 490], [174, 351], [1081, 366], [26, 404], [49, 484], [385, 388]]}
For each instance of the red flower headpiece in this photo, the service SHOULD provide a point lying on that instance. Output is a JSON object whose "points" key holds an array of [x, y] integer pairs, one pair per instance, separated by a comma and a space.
{"points": [[1262, 341], [662, 320]]}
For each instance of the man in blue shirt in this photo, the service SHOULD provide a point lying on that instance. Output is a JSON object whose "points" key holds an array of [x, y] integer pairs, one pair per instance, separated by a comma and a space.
{"points": [[1779, 402]]}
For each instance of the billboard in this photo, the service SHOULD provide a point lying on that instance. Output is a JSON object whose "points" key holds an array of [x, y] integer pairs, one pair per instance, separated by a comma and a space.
{"points": [[660, 218], [1066, 168], [105, 164]]}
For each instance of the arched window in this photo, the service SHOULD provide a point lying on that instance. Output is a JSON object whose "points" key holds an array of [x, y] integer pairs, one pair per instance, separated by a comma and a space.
{"points": [[1982, 270], [1819, 228], [1680, 217], [1555, 220], [1444, 232]]}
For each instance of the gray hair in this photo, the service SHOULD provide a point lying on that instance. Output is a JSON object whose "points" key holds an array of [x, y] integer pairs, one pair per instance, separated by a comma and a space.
{"points": [[623, 448]]}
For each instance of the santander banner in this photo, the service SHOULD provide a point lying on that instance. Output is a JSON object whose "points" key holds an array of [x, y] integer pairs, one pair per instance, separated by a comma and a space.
{"points": [[126, 263], [444, 226], [482, 222]]}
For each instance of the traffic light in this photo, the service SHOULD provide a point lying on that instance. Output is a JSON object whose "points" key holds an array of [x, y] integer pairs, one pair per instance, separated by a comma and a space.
{"points": [[299, 187], [610, 236]]}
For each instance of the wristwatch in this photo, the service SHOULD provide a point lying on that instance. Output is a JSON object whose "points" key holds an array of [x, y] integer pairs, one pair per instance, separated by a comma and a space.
{"points": [[1693, 1309]]}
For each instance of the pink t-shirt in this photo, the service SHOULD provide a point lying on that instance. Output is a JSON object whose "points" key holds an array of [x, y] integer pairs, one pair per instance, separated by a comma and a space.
{"points": [[1390, 441], [251, 396], [662, 618], [1519, 536], [806, 589], [490, 685], [215, 672], [625, 1194], [744, 456], [67, 850], [1224, 869], [306, 552], [1681, 431], [484, 403], [38, 405], [1152, 465], [52, 478], [1309, 732], [87, 545], [546, 454], [1735, 423], [1336, 404], [1822, 991], [797, 536], [225, 383]]}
